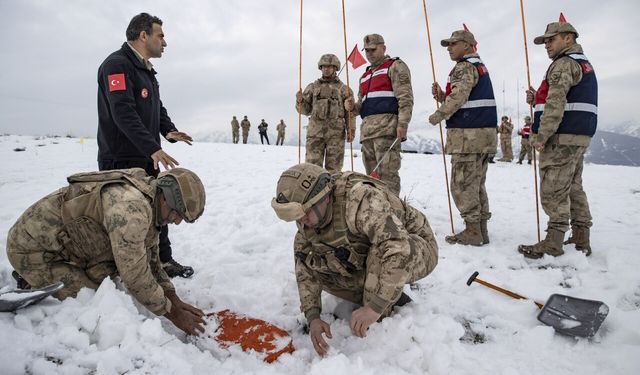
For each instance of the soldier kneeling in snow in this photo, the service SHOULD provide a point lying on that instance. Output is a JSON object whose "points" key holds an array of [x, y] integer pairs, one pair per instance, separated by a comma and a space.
{"points": [[106, 224], [356, 240]]}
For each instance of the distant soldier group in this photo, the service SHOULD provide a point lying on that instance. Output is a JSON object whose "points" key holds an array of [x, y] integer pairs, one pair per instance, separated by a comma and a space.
{"points": [[262, 130]]}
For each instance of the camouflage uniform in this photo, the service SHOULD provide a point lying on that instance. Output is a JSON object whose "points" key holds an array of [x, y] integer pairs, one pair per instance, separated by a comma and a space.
{"points": [[235, 130], [379, 131], [470, 150], [525, 142], [246, 125], [367, 247], [280, 128], [322, 101], [505, 130], [88, 231], [561, 162]]}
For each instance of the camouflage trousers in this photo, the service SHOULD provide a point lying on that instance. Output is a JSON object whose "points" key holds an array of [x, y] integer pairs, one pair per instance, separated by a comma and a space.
{"points": [[525, 149], [363, 287], [561, 193], [468, 176], [328, 151], [235, 136], [389, 170], [41, 267], [507, 151], [280, 139], [245, 135]]}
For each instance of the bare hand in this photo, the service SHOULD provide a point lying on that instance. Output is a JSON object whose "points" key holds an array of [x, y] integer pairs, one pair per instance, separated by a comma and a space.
{"points": [[188, 318], [299, 97], [437, 92], [531, 95], [348, 104], [162, 157], [538, 146], [179, 136], [316, 328], [361, 319], [401, 134], [435, 118]]}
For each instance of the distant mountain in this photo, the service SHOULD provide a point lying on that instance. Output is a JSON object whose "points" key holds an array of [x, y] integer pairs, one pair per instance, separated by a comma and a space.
{"points": [[628, 128], [614, 149]]}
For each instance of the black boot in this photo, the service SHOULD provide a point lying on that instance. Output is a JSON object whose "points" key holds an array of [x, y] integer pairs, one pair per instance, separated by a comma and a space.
{"points": [[173, 269], [21, 283]]}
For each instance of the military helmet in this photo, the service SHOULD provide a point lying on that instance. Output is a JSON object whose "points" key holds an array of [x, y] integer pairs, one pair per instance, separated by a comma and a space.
{"points": [[183, 191], [329, 59], [300, 188], [527, 118]]}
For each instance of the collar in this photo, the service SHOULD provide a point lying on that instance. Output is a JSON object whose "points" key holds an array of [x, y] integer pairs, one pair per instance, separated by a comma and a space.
{"points": [[141, 58]]}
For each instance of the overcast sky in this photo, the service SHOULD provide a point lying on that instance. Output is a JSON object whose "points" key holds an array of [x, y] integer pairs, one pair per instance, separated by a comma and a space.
{"points": [[240, 57]]}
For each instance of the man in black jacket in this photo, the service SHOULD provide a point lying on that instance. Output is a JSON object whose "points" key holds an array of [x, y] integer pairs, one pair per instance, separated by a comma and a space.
{"points": [[131, 116]]}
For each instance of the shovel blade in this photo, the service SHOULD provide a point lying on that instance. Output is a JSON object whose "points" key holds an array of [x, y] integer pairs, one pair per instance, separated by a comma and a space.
{"points": [[573, 316], [20, 298]]}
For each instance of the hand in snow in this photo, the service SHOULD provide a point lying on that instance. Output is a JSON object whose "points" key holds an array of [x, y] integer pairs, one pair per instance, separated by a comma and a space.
{"points": [[316, 328], [179, 136], [162, 157], [361, 319], [188, 318]]}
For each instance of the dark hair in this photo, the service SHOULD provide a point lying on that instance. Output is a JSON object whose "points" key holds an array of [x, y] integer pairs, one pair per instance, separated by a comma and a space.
{"points": [[565, 33], [141, 22]]}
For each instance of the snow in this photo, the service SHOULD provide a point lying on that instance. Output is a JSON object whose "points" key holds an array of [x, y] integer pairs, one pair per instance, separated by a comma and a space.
{"points": [[243, 261]]}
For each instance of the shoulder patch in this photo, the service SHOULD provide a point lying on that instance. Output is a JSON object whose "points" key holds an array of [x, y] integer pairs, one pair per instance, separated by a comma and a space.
{"points": [[117, 82]]}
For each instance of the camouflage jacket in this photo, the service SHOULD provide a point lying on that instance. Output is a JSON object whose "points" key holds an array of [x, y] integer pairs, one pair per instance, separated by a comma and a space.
{"points": [[106, 229], [387, 124], [361, 216], [245, 124], [465, 140], [562, 74], [235, 126], [280, 127], [323, 102], [505, 129]]}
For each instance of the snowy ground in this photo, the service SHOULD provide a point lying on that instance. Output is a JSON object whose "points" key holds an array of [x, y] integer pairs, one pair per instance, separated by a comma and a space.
{"points": [[243, 260]]}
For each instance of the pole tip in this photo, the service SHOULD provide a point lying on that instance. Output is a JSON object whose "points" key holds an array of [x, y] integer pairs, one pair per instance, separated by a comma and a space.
{"points": [[472, 278]]}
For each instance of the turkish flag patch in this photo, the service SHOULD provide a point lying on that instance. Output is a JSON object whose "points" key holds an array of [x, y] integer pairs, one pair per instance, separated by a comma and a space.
{"points": [[117, 82]]}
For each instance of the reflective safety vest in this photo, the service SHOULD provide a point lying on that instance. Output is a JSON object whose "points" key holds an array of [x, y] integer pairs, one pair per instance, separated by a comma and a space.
{"points": [[377, 91], [480, 110], [581, 111]]}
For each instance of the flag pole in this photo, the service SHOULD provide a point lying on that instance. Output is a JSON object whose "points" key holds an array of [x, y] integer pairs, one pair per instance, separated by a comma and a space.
{"points": [[444, 158], [300, 89], [533, 153], [349, 124]]}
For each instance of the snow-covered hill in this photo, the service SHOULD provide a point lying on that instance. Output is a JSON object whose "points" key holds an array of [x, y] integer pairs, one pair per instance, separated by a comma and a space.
{"points": [[243, 260]]}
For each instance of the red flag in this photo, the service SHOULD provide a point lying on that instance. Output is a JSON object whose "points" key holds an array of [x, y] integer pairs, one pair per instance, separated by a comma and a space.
{"points": [[562, 19], [355, 58], [117, 82], [475, 43], [374, 175]]}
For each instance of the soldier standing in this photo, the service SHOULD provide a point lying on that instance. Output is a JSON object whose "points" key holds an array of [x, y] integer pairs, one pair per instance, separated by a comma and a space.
{"points": [[525, 144], [565, 119], [385, 103], [106, 224], [322, 100], [235, 130], [356, 240], [280, 128], [262, 129], [246, 125], [470, 110], [505, 130]]}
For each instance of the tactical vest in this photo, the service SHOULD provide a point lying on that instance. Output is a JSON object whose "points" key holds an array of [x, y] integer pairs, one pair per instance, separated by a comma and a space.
{"points": [[83, 236], [377, 91], [334, 248], [581, 111], [526, 130], [328, 100], [480, 110]]}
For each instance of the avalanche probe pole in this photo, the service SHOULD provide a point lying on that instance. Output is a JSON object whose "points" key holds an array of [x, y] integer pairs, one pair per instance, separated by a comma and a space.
{"points": [[535, 169], [300, 89], [349, 118], [444, 158]]}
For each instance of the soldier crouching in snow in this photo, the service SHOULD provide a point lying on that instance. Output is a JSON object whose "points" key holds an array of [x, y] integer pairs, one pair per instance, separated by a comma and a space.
{"points": [[356, 240], [106, 224]]}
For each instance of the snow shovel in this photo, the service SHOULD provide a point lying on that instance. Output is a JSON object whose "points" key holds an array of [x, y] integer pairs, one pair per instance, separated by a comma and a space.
{"points": [[266, 339], [19, 298], [567, 315]]}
